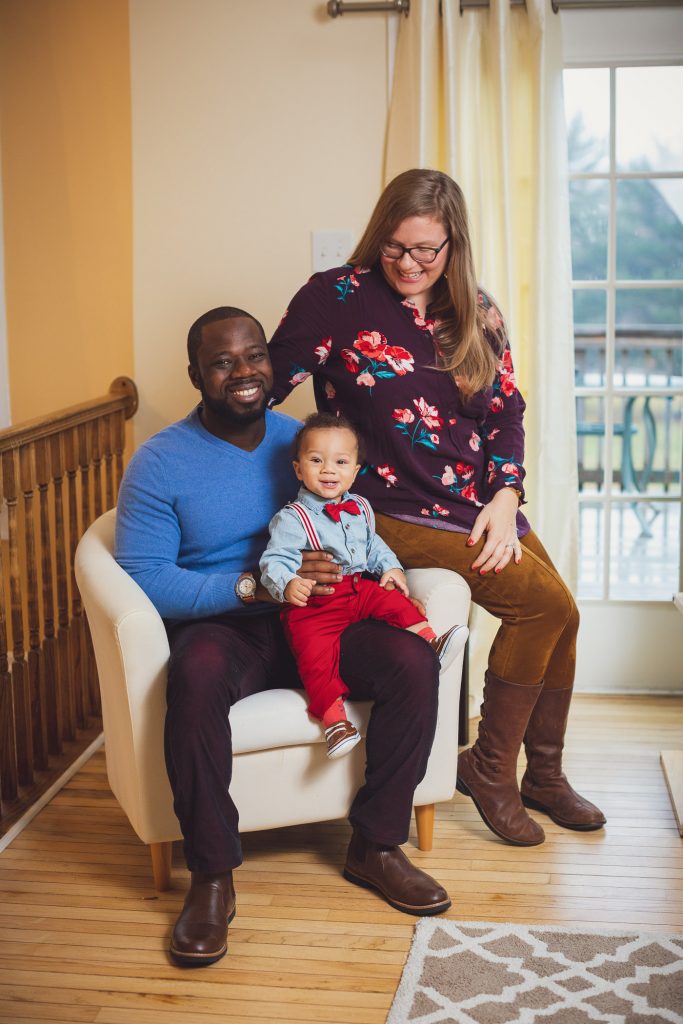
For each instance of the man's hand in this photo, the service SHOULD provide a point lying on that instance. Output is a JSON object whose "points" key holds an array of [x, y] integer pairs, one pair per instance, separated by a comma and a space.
{"points": [[394, 579], [319, 567], [298, 591], [498, 521]]}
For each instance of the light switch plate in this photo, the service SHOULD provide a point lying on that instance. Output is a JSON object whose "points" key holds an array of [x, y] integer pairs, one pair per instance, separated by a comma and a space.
{"points": [[330, 249]]}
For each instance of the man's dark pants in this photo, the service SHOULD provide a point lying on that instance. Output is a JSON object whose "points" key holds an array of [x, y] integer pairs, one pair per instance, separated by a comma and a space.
{"points": [[216, 662]]}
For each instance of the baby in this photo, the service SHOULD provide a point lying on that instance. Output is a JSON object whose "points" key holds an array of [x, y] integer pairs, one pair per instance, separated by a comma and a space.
{"points": [[326, 517]]}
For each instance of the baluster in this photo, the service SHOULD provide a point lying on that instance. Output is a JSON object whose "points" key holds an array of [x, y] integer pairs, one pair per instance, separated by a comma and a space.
{"points": [[118, 444], [50, 675], [20, 683], [106, 430], [9, 782], [96, 447], [76, 650], [87, 504], [68, 688], [36, 688], [84, 459]]}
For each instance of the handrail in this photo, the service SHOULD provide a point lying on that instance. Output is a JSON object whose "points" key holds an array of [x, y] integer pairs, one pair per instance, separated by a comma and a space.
{"points": [[123, 395]]}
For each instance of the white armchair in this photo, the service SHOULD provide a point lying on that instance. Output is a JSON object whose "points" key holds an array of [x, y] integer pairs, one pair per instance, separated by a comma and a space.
{"points": [[281, 775]]}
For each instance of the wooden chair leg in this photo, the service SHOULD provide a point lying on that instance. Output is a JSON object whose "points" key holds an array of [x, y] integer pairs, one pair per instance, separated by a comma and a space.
{"points": [[161, 865], [424, 818]]}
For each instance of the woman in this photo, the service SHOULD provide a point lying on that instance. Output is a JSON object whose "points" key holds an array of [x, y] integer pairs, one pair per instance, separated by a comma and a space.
{"points": [[404, 343]]}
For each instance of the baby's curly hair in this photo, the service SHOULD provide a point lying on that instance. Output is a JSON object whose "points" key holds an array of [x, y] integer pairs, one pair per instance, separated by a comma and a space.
{"points": [[327, 421]]}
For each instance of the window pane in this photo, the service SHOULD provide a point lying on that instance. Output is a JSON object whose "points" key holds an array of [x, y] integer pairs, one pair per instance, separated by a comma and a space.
{"points": [[591, 550], [650, 229], [647, 444], [588, 207], [590, 318], [586, 103], [648, 119], [649, 342], [590, 430], [644, 551]]}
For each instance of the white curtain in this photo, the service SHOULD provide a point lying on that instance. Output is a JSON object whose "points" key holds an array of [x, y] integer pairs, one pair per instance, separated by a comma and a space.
{"points": [[479, 95]]}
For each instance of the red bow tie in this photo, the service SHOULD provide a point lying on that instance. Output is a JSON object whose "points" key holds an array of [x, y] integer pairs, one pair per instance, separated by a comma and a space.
{"points": [[335, 509]]}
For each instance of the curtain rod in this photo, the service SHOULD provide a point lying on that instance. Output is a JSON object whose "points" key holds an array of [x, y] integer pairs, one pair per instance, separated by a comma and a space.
{"points": [[335, 8]]}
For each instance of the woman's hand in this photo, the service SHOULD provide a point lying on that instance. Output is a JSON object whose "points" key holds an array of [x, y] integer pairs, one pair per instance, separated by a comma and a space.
{"points": [[319, 567], [498, 521]]}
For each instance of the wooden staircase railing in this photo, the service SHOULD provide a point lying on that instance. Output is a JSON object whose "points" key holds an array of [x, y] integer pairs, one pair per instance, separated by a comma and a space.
{"points": [[57, 474]]}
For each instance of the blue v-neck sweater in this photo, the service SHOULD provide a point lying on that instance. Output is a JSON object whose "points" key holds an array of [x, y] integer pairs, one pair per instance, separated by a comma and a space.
{"points": [[193, 513]]}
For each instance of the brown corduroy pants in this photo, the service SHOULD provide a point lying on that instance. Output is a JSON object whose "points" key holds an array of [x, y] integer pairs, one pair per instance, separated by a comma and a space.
{"points": [[539, 619]]}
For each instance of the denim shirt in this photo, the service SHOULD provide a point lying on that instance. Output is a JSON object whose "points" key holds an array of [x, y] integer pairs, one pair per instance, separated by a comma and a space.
{"points": [[352, 542]]}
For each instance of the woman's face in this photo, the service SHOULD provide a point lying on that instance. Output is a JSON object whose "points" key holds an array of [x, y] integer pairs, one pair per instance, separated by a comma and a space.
{"points": [[410, 278]]}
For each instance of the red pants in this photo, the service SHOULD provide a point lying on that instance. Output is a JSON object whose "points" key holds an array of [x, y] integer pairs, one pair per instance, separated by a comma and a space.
{"points": [[314, 632]]}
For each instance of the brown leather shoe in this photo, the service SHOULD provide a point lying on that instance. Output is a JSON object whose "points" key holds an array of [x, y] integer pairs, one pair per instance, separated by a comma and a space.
{"points": [[200, 936], [487, 772], [387, 870], [544, 786]]}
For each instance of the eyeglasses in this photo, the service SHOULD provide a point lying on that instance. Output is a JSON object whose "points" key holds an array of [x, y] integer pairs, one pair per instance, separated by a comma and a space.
{"points": [[419, 253]]}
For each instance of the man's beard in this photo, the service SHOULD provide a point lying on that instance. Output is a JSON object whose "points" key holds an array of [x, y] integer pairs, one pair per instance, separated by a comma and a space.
{"points": [[236, 417]]}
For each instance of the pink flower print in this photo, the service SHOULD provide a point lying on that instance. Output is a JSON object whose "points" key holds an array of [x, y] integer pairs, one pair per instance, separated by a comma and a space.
{"points": [[453, 421], [434, 438], [428, 413], [470, 492], [299, 378], [387, 473], [403, 415], [351, 360], [329, 389], [496, 404], [425, 512], [491, 434], [491, 467], [399, 359], [509, 467], [372, 344], [441, 510], [365, 379], [448, 476], [475, 442], [507, 384], [323, 350]]}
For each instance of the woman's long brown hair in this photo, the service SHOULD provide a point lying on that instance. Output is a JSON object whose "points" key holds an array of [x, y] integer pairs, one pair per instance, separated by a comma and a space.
{"points": [[468, 348]]}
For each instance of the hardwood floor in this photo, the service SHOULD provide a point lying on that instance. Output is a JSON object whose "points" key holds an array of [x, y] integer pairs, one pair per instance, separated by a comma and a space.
{"points": [[83, 936]]}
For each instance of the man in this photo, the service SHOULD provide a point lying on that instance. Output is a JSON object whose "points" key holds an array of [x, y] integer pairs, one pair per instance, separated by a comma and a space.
{"points": [[192, 522]]}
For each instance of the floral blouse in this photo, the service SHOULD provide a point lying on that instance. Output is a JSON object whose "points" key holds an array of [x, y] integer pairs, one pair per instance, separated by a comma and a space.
{"points": [[432, 456]]}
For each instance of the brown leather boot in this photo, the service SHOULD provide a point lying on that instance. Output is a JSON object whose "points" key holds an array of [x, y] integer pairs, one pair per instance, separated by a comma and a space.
{"points": [[200, 936], [487, 772], [544, 786], [387, 870]]}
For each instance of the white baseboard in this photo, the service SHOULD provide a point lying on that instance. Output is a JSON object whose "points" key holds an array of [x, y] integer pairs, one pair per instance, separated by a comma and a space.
{"points": [[45, 798]]}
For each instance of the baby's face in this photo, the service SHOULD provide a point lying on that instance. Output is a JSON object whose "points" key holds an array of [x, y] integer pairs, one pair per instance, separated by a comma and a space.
{"points": [[328, 461]]}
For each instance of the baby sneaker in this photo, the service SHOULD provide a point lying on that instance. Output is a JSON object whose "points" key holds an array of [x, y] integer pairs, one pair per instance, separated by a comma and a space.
{"points": [[449, 645], [341, 737]]}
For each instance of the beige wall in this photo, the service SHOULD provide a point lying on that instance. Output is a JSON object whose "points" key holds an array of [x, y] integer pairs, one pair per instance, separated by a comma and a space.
{"points": [[66, 182], [254, 122]]}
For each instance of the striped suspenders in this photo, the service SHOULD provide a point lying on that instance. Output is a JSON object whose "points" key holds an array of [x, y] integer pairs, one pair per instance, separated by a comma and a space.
{"points": [[307, 522]]}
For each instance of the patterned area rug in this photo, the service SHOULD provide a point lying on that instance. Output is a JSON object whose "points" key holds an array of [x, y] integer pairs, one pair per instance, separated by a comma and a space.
{"points": [[484, 973]]}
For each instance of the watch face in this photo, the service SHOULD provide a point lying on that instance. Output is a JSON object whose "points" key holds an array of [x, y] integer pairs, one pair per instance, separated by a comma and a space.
{"points": [[246, 586]]}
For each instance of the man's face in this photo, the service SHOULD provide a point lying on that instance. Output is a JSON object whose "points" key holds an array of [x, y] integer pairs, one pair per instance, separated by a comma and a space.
{"points": [[233, 371]]}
